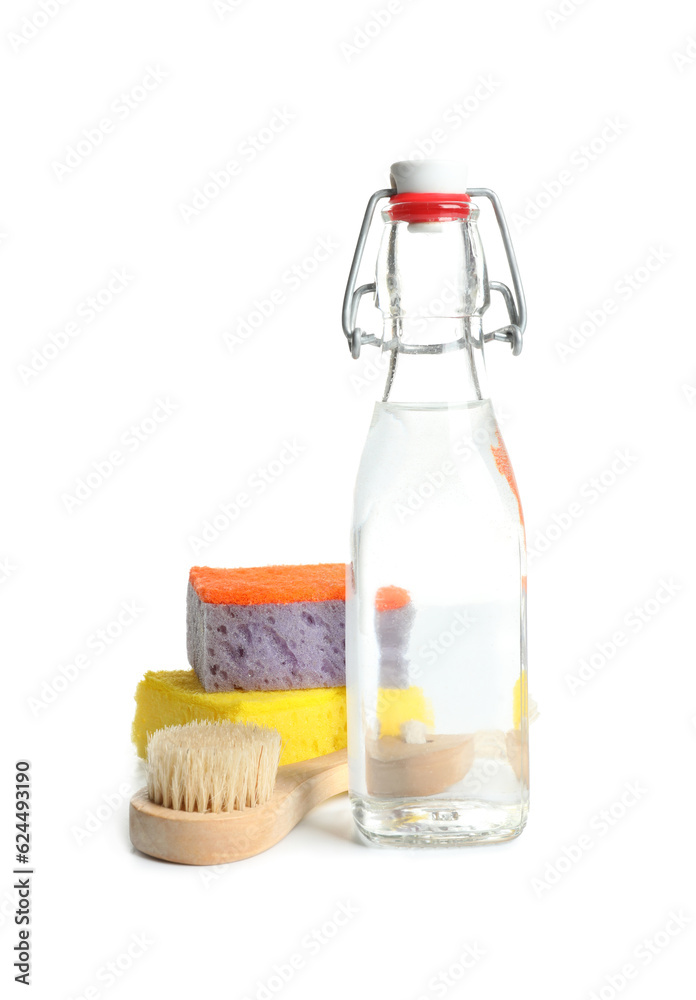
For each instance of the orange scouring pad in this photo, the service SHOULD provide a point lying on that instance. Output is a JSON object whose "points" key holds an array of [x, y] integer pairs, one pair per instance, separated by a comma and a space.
{"points": [[391, 598], [270, 584]]}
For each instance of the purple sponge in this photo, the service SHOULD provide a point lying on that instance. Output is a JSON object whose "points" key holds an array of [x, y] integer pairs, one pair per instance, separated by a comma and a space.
{"points": [[394, 617], [273, 628]]}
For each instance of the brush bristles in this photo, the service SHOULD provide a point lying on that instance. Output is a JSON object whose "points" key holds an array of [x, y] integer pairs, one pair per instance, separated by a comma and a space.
{"points": [[212, 766]]}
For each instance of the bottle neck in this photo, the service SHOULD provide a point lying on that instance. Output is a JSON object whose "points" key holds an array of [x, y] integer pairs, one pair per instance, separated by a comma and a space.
{"points": [[452, 372], [432, 289]]}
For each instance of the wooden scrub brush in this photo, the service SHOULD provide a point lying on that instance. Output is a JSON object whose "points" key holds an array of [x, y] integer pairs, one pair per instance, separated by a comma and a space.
{"points": [[215, 792]]}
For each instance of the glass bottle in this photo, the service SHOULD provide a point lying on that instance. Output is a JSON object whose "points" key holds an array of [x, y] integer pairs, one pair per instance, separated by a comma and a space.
{"points": [[435, 602]]}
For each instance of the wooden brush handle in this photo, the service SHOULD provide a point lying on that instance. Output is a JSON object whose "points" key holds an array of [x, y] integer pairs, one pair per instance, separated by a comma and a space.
{"points": [[192, 838]]}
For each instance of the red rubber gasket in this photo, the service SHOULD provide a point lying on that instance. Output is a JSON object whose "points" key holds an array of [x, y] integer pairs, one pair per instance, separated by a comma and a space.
{"points": [[418, 206]]}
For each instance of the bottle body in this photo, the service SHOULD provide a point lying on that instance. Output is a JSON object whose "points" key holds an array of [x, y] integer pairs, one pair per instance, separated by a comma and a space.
{"points": [[436, 630]]}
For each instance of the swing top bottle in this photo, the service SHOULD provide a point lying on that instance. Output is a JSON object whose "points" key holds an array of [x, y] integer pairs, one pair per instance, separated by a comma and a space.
{"points": [[436, 589]]}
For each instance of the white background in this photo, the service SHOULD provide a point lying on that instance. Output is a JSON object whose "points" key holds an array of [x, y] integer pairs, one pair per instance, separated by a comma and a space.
{"points": [[535, 89]]}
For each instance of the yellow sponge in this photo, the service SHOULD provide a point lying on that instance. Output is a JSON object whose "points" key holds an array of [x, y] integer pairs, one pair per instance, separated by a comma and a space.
{"points": [[519, 700], [311, 722], [398, 705]]}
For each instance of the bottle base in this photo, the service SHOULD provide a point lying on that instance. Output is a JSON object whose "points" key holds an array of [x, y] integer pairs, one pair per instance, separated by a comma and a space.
{"points": [[436, 822]]}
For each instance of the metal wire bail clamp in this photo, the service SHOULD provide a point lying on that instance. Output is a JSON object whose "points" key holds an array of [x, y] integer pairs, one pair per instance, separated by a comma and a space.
{"points": [[515, 304]]}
